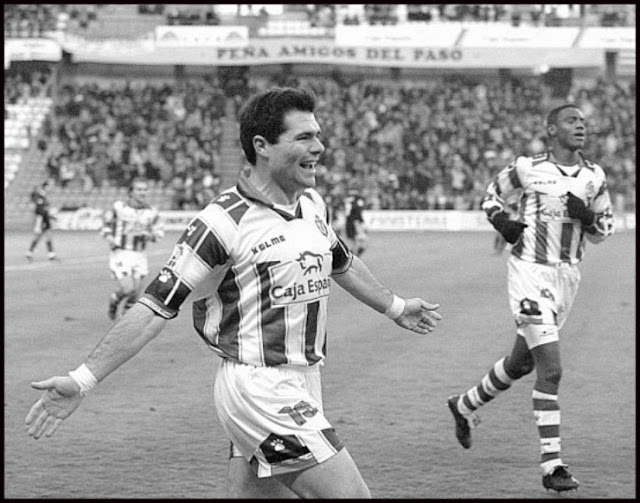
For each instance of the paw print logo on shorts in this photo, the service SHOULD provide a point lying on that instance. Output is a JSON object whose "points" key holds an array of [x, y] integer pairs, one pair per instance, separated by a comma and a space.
{"points": [[278, 445]]}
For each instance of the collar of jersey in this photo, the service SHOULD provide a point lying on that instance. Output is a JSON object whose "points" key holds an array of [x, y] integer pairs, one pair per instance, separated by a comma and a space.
{"points": [[137, 206], [249, 191], [581, 163]]}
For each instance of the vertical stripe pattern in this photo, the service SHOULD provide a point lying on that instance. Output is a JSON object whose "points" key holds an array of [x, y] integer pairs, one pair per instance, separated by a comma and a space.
{"points": [[540, 187], [259, 278]]}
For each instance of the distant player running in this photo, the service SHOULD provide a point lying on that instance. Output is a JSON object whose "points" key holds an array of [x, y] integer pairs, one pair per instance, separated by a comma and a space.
{"points": [[128, 227], [563, 198], [355, 229], [43, 218]]}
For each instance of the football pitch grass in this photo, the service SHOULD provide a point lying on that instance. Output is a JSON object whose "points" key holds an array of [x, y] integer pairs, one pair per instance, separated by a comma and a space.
{"points": [[150, 429]]}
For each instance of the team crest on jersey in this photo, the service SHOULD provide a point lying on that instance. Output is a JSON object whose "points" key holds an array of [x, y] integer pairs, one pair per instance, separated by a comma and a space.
{"points": [[591, 190], [322, 226], [310, 262]]}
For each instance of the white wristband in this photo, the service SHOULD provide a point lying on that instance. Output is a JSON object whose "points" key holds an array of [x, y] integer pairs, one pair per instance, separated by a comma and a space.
{"points": [[85, 379], [396, 308]]}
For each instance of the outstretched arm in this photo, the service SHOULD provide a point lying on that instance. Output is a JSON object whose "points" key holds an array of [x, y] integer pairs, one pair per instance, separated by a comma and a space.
{"points": [[416, 314], [63, 394]]}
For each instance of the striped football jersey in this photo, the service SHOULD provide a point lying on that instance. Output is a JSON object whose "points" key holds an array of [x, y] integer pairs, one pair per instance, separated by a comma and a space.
{"points": [[540, 185], [258, 276], [132, 227]]}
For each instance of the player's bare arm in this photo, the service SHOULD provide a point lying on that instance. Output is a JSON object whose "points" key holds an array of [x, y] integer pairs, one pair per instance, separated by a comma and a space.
{"points": [[62, 394], [417, 315]]}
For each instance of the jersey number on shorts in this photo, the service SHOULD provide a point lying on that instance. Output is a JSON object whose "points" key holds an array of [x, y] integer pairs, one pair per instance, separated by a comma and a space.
{"points": [[300, 409]]}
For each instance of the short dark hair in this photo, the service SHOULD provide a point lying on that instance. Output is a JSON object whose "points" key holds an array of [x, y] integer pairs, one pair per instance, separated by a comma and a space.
{"points": [[552, 118], [137, 179], [264, 115]]}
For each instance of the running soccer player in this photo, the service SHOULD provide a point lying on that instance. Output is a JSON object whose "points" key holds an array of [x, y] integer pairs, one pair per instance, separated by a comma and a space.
{"points": [[563, 199], [258, 263], [43, 218], [354, 226], [128, 227]]}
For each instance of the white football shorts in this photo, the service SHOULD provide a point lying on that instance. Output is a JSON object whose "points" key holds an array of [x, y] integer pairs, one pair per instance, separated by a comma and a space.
{"points": [[128, 263], [541, 294], [274, 416]]}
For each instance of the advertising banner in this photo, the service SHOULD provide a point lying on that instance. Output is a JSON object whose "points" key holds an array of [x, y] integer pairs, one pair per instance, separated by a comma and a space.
{"points": [[501, 36], [609, 38], [90, 219], [410, 35], [428, 220], [325, 51], [31, 49]]}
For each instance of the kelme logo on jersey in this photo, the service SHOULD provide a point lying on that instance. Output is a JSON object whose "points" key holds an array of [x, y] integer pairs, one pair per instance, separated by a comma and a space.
{"points": [[302, 282]]}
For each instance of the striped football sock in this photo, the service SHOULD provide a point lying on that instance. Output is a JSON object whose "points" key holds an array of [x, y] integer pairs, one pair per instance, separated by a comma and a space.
{"points": [[493, 383], [547, 413]]}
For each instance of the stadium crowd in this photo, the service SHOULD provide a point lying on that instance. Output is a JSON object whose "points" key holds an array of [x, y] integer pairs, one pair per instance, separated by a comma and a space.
{"points": [[38, 20], [29, 20], [328, 15], [436, 145], [401, 145], [109, 134], [21, 85]]}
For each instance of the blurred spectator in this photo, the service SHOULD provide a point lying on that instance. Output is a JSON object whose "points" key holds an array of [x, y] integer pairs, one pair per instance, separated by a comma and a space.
{"points": [[124, 130], [192, 15], [423, 144], [436, 144], [30, 20]]}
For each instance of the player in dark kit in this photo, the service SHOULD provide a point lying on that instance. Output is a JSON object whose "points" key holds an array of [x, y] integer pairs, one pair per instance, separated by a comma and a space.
{"points": [[43, 218], [355, 228]]}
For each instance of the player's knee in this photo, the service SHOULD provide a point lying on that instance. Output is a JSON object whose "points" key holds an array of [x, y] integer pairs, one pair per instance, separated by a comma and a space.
{"points": [[551, 374], [518, 369]]}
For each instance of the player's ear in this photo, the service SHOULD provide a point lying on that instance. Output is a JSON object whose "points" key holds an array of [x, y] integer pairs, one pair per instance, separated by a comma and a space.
{"points": [[552, 129], [260, 144]]}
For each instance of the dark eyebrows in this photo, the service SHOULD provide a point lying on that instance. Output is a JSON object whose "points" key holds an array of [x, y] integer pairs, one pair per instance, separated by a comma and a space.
{"points": [[309, 132]]}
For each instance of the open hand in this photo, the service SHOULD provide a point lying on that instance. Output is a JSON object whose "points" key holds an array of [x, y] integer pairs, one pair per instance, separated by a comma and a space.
{"points": [[419, 316], [60, 399]]}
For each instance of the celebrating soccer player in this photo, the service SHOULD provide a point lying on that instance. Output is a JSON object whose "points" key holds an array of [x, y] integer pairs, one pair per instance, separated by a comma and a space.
{"points": [[257, 263], [562, 199]]}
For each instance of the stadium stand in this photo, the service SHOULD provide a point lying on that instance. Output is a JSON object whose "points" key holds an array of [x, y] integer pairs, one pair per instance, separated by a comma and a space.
{"points": [[446, 139], [427, 143]]}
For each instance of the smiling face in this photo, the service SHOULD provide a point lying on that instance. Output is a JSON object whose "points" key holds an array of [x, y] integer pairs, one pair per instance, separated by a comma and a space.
{"points": [[569, 129], [291, 160]]}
